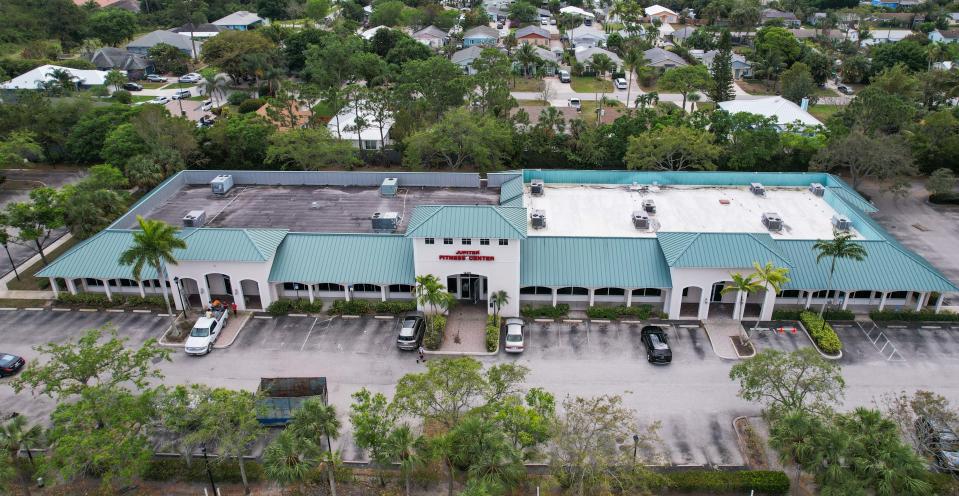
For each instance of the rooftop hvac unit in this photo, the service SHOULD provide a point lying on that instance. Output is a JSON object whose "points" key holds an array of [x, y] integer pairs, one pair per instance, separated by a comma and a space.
{"points": [[386, 222], [640, 220], [640, 188], [773, 221], [649, 206], [196, 218], [538, 219], [841, 223], [536, 187], [221, 184], [757, 189], [817, 189], [389, 187]]}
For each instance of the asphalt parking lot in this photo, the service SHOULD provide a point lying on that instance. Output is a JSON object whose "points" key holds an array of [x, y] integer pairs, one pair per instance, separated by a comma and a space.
{"points": [[767, 337], [364, 336], [918, 343]]}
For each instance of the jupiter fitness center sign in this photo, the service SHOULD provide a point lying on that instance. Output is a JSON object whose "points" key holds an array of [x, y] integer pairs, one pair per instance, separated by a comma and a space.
{"points": [[468, 255]]}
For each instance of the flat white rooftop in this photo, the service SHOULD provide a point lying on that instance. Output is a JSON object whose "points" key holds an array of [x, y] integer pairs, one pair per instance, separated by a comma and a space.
{"points": [[597, 210]]}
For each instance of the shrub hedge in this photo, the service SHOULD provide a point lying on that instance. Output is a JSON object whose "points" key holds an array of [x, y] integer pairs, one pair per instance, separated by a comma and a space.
{"points": [[793, 314], [821, 332], [99, 300], [395, 307], [640, 312], [434, 333], [284, 306], [950, 198], [924, 315], [739, 482], [492, 332], [176, 469], [545, 311], [352, 307]]}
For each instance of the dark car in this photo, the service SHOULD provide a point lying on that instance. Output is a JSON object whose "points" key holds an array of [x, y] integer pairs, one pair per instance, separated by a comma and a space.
{"points": [[411, 332], [845, 90], [10, 364], [657, 345], [132, 87], [940, 441]]}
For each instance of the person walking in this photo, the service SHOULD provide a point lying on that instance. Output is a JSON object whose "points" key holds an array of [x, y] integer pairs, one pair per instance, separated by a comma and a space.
{"points": [[422, 357], [233, 307]]}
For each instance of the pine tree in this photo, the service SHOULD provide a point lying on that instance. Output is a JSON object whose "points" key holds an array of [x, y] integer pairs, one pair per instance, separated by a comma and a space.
{"points": [[722, 87]]}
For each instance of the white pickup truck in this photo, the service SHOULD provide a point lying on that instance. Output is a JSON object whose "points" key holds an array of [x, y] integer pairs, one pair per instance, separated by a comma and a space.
{"points": [[205, 331]]}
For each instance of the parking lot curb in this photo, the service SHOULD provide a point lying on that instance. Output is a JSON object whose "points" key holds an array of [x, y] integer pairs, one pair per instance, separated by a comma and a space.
{"points": [[572, 321], [61, 309], [631, 321], [543, 320], [268, 317], [87, 310], [461, 353], [115, 310], [384, 317], [297, 315], [33, 309], [713, 346], [142, 311], [8, 309], [600, 321], [816, 346], [349, 317]]}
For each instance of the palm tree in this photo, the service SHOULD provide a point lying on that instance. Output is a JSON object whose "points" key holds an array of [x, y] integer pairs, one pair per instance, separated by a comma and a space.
{"points": [[430, 292], [509, 43], [313, 422], [116, 78], [794, 437], [771, 277], [526, 56], [840, 247], [442, 448], [408, 450], [602, 64], [743, 286], [153, 245], [288, 460], [15, 436], [213, 84], [499, 299], [62, 79], [551, 121], [633, 61]]}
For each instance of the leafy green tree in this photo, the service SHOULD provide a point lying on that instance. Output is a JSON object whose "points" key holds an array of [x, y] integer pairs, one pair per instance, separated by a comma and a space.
{"points": [[797, 83], [273, 9], [86, 139], [874, 110], [168, 59], [431, 293], [672, 148], [527, 427], [777, 42], [315, 422], [820, 65], [95, 201], [886, 159], [334, 64], [755, 142], [840, 247], [179, 416], [784, 382], [772, 279], [145, 171], [37, 219], [492, 95], [317, 10], [15, 436], [482, 448], [428, 88], [522, 11], [112, 25], [685, 80], [309, 149], [528, 58], [19, 147], [228, 420], [373, 420], [388, 13], [908, 52], [116, 79], [721, 89], [601, 63], [241, 141], [941, 181], [122, 144], [153, 245], [231, 52], [460, 138]]}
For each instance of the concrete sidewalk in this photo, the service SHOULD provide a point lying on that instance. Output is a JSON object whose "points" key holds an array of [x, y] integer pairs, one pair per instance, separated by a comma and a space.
{"points": [[721, 333]]}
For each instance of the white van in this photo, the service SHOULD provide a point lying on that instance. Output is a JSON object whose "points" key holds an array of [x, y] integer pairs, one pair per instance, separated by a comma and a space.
{"points": [[620, 83]]}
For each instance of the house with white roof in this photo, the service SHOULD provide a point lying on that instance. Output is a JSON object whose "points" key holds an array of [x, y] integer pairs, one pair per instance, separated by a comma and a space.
{"points": [[35, 78], [785, 111], [367, 137], [241, 21], [431, 36], [369, 33], [576, 11], [880, 36], [664, 15]]}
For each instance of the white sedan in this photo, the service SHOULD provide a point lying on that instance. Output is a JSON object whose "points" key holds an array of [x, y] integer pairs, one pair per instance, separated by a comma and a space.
{"points": [[514, 336]]}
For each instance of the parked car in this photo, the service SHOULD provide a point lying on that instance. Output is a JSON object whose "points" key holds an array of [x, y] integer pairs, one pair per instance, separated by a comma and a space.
{"points": [[190, 78], [499, 25], [620, 83], [181, 94], [155, 78], [552, 22], [587, 22], [411, 332], [205, 331], [160, 100], [845, 90], [207, 105], [544, 22], [132, 87], [657, 345], [10, 364], [205, 121], [514, 336], [564, 77], [576, 104], [939, 440]]}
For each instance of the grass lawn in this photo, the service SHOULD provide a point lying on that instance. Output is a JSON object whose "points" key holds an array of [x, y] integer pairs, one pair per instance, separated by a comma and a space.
{"points": [[823, 112], [152, 86], [178, 86], [523, 84], [589, 84], [16, 303], [532, 103], [198, 98], [27, 281], [588, 110], [754, 87], [140, 98], [823, 92]]}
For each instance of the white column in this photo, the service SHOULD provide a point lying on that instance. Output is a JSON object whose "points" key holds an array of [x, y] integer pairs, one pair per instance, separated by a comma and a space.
{"points": [[629, 297], [238, 297], [919, 301], [939, 300], [736, 306], [704, 296], [675, 303], [591, 296], [143, 294], [905, 301], [769, 303], [383, 292], [205, 297], [882, 300], [106, 288], [309, 291], [808, 299], [666, 293], [554, 296], [53, 284], [72, 288], [845, 300], [346, 291]]}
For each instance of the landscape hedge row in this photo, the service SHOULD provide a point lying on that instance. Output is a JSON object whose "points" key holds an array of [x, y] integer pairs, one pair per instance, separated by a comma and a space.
{"points": [[364, 307], [945, 198], [176, 469], [283, 307], [793, 314], [913, 316], [741, 482], [641, 312], [545, 311], [434, 333], [822, 333], [99, 300], [492, 333]]}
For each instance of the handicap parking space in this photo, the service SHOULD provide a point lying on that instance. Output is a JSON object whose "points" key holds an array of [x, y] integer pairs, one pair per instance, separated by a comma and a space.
{"points": [[364, 336], [777, 336]]}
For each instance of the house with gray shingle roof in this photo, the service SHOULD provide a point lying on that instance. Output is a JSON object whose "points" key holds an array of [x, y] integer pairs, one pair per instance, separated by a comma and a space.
{"points": [[144, 43]]}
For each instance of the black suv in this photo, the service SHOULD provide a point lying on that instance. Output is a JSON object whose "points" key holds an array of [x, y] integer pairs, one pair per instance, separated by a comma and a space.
{"points": [[939, 440], [657, 345], [411, 332], [132, 87]]}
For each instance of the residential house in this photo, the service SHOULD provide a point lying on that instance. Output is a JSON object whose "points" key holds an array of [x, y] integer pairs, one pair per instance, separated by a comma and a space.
{"points": [[586, 36], [199, 31], [665, 31], [880, 36], [944, 36], [741, 67], [143, 44], [788, 19], [785, 111], [544, 14], [584, 56], [632, 31], [241, 20], [532, 35], [497, 14], [896, 4], [465, 57], [816, 18], [953, 18], [343, 125], [551, 60], [129, 5], [664, 15], [286, 118], [35, 78], [909, 20], [808, 34], [663, 59], [480, 35], [110, 58], [370, 33], [682, 34], [577, 12], [432, 36]]}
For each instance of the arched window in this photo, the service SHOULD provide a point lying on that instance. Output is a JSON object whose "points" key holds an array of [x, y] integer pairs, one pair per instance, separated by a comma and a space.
{"points": [[573, 290], [535, 290], [328, 286], [610, 292], [648, 292], [366, 288], [401, 288]]}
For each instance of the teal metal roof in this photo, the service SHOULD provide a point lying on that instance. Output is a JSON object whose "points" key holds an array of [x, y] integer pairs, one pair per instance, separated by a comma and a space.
{"points": [[595, 262], [230, 245], [344, 258], [719, 250], [510, 190], [467, 221], [888, 267], [853, 198], [98, 258]]}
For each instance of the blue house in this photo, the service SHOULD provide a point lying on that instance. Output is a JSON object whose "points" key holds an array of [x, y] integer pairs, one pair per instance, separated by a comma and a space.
{"points": [[480, 35], [240, 21]]}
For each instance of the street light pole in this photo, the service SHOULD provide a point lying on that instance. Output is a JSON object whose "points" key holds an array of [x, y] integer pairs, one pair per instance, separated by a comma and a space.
{"points": [[208, 471], [635, 446]]}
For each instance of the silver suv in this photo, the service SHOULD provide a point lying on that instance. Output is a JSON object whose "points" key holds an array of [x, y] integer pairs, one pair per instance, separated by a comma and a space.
{"points": [[411, 333]]}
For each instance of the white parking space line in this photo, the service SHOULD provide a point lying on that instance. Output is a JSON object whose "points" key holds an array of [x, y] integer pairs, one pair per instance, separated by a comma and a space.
{"points": [[308, 333]]}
